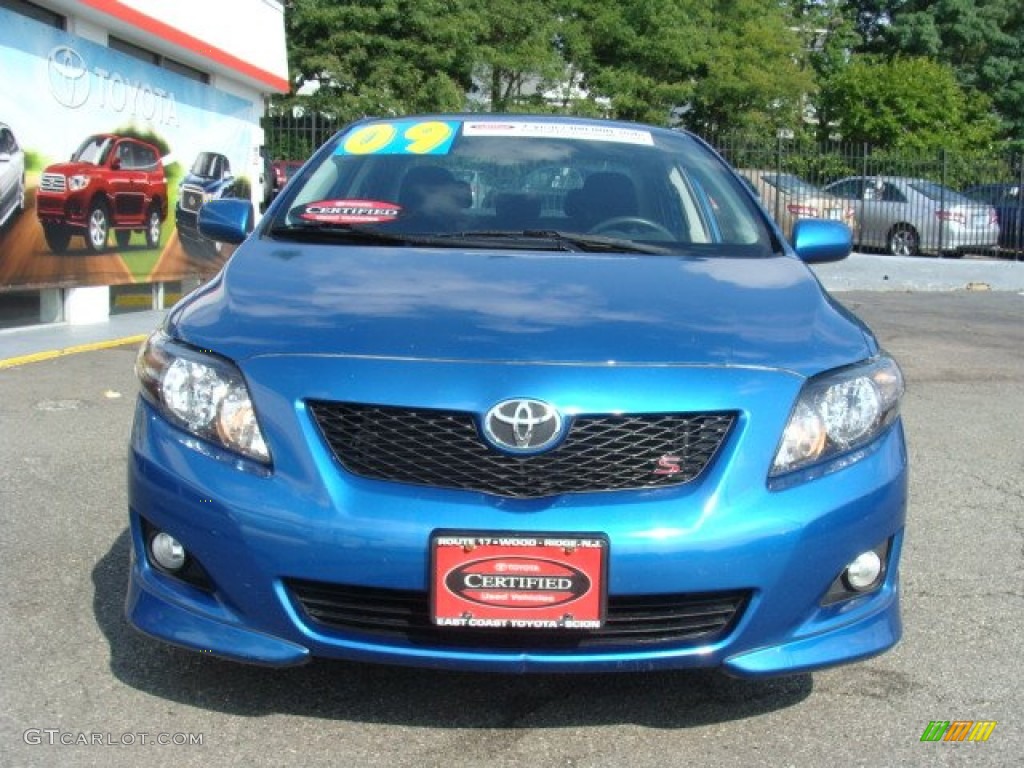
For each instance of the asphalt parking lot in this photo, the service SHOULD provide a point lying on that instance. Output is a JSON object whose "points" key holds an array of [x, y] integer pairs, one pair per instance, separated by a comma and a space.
{"points": [[75, 672]]}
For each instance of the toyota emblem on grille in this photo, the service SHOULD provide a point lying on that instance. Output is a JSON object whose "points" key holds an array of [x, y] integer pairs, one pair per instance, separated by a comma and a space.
{"points": [[523, 426]]}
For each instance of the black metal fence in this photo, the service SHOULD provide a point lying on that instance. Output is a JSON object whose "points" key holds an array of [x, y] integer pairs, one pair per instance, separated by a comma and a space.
{"points": [[291, 137], [944, 202]]}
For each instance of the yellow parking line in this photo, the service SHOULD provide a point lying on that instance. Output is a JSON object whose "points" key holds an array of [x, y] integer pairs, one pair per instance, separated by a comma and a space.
{"points": [[37, 357]]}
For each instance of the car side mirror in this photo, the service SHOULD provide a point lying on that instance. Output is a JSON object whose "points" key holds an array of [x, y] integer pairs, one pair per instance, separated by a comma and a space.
{"points": [[115, 164], [228, 220], [817, 241]]}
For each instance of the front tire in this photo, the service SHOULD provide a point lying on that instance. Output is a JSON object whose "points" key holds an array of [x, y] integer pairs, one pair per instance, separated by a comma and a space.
{"points": [[123, 237], [57, 237], [153, 228], [904, 241], [98, 227]]}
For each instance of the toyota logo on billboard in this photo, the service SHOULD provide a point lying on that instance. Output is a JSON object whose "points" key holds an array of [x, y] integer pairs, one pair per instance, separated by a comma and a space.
{"points": [[69, 76], [523, 426]]}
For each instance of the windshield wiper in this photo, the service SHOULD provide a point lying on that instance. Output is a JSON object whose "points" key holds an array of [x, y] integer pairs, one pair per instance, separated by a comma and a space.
{"points": [[546, 239], [324, 230], [564, 241], [599, 243]]}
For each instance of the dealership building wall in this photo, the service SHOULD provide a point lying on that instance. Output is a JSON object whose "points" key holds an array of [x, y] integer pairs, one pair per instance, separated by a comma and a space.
{"points": [[190, 76]]}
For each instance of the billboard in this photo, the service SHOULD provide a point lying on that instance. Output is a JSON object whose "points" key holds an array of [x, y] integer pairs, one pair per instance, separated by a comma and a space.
{"points": [[105, 159]]}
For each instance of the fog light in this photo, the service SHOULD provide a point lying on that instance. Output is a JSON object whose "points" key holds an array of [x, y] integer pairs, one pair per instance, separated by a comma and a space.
{"points": [[167, 551], [862, 574]]}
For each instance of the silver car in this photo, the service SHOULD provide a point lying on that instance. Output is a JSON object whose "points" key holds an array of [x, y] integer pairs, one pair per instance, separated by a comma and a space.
{"points": [[909, 216], [12, 175]]}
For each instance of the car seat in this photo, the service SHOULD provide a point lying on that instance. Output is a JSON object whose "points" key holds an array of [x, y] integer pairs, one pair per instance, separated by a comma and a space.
{"points": [[432, 198], [604, 195]]}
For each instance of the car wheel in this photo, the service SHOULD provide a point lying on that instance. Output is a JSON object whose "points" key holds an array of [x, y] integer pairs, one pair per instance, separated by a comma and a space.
{"points": [[98, 227], [57, 237], [903, 241], [153, 227], [123, 237]]}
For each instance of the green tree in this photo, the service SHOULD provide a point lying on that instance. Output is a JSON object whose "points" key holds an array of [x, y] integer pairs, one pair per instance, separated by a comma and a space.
{"points": [[871, 19], [515, 54], [829, 35], [982, 40], [757, 73], [907, 104], [371, 57], [642, 57], [709, 66]]}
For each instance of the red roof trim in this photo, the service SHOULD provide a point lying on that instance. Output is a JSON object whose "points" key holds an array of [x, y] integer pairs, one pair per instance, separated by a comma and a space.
{"points": [[176, 37]]}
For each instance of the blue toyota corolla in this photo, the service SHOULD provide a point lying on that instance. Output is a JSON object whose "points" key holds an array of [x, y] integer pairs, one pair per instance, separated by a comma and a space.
{"points": [[516, 393]]}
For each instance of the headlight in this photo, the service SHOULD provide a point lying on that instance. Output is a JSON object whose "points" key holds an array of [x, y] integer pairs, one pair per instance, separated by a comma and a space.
{"points": [[839, 412], [201, 393], [78, 182]]}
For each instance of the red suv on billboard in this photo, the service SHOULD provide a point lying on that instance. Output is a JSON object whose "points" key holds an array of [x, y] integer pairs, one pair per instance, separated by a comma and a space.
{"points": [[111, 183]]}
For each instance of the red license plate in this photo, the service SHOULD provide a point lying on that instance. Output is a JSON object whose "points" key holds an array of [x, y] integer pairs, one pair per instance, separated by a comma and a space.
{"points": [[517, 581]]}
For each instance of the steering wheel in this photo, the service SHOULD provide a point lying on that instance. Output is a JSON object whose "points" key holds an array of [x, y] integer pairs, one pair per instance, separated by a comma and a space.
{"points": [[631, 223]]}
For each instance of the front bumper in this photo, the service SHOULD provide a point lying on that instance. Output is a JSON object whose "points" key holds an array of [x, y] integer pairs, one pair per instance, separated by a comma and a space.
{"points": [[255, 531], [68, 210], [187, 224]]}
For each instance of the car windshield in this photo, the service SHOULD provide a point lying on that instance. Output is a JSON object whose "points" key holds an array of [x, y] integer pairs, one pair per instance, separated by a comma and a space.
{"points": [[790, 184], [937, 192], [998, 194], [516, 182], [93, 150], [205, 165]]}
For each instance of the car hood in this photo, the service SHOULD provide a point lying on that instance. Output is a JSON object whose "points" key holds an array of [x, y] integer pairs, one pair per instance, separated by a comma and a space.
{"points": [[515, 306], [70, 169]]}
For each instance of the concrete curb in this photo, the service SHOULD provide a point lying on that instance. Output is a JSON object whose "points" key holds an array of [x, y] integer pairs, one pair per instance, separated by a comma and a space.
{"points": [[875, 272]]}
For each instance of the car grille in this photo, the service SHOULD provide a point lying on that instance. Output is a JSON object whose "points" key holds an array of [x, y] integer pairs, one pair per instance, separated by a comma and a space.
{"points": [[191, 198], [53, 182], [444, 449], [391, 614]]}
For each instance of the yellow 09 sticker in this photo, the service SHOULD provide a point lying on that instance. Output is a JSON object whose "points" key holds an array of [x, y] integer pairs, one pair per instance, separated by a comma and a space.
{"points": [[369, 139], [403, 137]]}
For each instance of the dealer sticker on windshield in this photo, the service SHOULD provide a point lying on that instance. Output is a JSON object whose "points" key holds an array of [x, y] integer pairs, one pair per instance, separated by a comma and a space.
{"points": [[546, 130], [350, 211], [516, 581], [400, 137]]}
